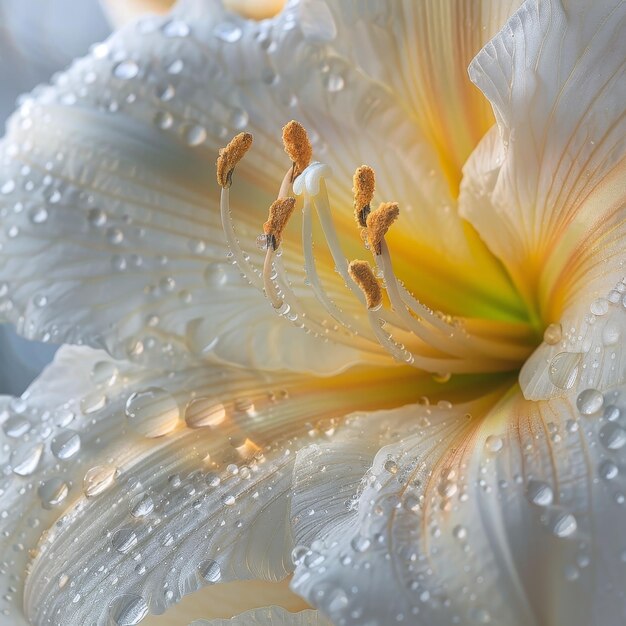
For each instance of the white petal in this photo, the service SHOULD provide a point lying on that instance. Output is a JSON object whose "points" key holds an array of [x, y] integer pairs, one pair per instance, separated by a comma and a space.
{"points": [[111, 234], [271, 616], [507, 513], [127, 482], [546, 190]]}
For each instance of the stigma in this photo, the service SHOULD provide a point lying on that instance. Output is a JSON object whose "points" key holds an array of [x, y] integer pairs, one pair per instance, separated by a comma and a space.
{"points": [[384, 316]]}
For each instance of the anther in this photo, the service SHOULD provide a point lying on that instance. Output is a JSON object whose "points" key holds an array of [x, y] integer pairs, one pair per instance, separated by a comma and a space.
{"points": [[363, 187], [297, 146], [230, 156], [279, 214], [363, 276], [379, 222]]}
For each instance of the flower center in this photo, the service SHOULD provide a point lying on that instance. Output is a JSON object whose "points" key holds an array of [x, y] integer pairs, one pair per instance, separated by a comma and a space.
{"points": [[387, 315]]}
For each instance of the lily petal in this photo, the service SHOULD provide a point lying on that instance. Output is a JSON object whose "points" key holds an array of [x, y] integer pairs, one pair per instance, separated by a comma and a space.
{"points": [[271, 616], [546, 190], [528, 509], [128, 485]]}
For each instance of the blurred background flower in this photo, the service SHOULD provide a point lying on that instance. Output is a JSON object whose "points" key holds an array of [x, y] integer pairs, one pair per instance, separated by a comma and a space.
{"points": [[38, 38]]}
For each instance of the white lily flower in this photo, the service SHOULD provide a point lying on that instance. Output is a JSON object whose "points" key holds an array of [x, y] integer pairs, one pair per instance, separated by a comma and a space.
{"points": [[239, 421]]}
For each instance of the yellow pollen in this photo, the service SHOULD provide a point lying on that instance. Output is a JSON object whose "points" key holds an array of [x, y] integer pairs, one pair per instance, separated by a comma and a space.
{"points": [[378, 223], [279, 214], [297, 146], [230, 156], [364, 182], [362, 275]]}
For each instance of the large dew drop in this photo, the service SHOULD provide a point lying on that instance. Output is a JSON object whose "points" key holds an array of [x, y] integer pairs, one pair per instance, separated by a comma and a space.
{"points": [[589, 401], [203, 412], [210, 571], [65, 445], [152, 412], [98, 479], [563, 370], [128, 609]]}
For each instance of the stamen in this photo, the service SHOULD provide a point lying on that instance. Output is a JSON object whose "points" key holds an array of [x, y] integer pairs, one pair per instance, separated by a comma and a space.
{"points": [[279, 214], [364, 182], [379, 222], [363, 276], [230, 156], [297, 146]]}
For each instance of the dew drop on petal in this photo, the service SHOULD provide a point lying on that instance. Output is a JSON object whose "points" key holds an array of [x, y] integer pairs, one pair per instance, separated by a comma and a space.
{"points": [[599, 307], [610, 334], [613, 436], [493, 443], [539, 493], [152, 412], [552, 334], [16, 426], [128, 610], [608, 470], [228, 32], [203, 411], [104, 373], [141, 505], [360, 543], [563, 370], [24, 461], [98, 479], [93, 402], [65, 445], [210, 571], [124, 539], [194, 134], [176, 28], [52, 492], [563, 525], [589, 401], [126, 70]]}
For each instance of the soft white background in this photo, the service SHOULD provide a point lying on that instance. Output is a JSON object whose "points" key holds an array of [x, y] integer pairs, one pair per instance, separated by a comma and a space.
{"points": [[37, 38]]}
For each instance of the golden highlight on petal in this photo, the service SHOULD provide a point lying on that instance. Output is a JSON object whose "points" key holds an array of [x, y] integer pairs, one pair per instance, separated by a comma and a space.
{"points": [[279, 214], [297, 146], [364, 182], [363, 276], [378, 223], [230, 156]]}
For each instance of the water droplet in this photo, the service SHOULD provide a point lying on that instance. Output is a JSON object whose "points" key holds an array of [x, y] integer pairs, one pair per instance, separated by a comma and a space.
{"points": [[613, 436], [563, 525], [98, 479], [152, 412], [165, 92], [126, 70], [610, 333], [611, 413], [203, 412], [539, 493], [115, 236], [599, 307], [176, 28], [210, 571], [333, 82], [228, 32], [24, 461], [104, 373], [391, 466], [39, 215], [447, 488], [93, 402], [228, 499], [563, 370], [53, 491], [128, 610], [16, 426], [360, 543], [459, 532], [552, 334], [589, 401], [163, 119], [141, 505], [7, 187], [124, 539], [608, 470], [239, 119], [493, 443], [194, 134], [97, 217], [201, 337], [176, 67], [66, 444]]}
